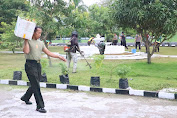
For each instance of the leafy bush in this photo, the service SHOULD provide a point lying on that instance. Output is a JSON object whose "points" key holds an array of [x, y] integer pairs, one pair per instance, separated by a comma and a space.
{"points": [[98, 61], [64, 69], [122, 71], [109, 37], [44, 65]]}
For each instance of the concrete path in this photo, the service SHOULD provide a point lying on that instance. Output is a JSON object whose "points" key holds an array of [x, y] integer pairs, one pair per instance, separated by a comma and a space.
{"points": [[74, 104]]}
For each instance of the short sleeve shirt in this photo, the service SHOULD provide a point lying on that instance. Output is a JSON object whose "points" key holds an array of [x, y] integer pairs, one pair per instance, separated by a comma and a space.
{"points": [[115, 37], [36, 47]]}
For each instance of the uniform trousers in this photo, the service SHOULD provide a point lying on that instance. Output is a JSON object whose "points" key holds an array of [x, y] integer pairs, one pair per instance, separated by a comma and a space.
{"points": [[33, 71], [71, 55]]}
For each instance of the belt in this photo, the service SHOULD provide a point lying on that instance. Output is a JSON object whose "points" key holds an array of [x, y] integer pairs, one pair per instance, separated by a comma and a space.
{"points": [[36, 61]]}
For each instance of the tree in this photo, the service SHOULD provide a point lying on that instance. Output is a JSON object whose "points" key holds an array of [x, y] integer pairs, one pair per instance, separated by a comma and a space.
{"points": [[9, 10], [79, 5], [48, 15], [148, 17], [101, 21], [9, 40]]}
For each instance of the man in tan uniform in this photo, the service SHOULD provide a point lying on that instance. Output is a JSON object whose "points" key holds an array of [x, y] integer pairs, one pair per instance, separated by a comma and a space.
{"points": [[33, 49]]}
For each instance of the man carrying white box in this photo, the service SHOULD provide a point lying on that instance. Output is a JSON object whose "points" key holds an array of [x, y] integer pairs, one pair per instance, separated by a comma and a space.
{"points": [[24, 28], [33, 49]]}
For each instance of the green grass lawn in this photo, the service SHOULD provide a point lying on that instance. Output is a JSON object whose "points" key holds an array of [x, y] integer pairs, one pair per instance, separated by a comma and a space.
{"points": [[160, 74]]}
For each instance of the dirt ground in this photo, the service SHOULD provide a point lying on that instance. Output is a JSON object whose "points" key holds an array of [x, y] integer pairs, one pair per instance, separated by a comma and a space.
{"points": [[76, 104]]}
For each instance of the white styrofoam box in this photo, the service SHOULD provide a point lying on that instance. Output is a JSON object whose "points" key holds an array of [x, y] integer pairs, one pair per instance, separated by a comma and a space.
{"points": [[136, 92], [109, 90], [166, 95], [61, 86], [23, 83], [24, 28], [83, 88], [42, 84], [4, 81]]}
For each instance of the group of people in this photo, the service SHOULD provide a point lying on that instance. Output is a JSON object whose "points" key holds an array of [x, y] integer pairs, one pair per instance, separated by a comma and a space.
{"points": [[122, 40], [138, 41]]}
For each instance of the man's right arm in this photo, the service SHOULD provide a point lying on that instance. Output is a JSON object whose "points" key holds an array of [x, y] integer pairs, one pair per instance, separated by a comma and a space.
{"points": [[26, 49]]}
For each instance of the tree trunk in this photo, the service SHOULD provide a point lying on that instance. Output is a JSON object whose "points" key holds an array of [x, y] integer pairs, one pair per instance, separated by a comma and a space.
{"points": [[149, 58], [13, 50], [18, 44], [50, 62], [148, 53]]}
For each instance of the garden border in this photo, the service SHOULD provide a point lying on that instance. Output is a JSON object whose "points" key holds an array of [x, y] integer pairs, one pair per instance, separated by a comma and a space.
{"points": [[156, 94]]}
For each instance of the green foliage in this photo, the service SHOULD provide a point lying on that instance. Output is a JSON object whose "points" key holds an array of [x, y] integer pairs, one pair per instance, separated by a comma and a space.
{"points": [[9, 40], [9, 9], [49, 16], [44, 65], [122, 71], [64, 69], [109, 37], [100, 20], [154, 17], [160, 74], [98, 61], [78, 5]]}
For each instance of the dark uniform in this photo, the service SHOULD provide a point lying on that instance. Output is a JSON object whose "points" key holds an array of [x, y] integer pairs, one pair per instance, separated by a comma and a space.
{"points": [[123, 41], [101, 47]]}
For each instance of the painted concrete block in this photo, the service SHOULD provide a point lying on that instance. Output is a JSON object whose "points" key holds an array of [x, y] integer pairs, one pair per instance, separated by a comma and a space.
{"points": [[136, 92], [22, 83], [84, 88], [42, 84], [50, 85], [109, 90], [72, 87], [61, 86], [4, 81], [166, 95]]}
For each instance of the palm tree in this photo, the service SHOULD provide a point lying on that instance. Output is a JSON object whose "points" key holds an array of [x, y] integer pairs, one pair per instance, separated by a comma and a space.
{"points": [[79, 5]]}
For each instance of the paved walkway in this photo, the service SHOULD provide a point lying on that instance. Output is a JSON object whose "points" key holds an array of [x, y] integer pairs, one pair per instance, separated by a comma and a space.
{"points": [[74, 104]]}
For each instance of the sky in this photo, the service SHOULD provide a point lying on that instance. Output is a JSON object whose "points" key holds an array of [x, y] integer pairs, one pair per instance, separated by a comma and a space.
{"points": [[90, 2]]}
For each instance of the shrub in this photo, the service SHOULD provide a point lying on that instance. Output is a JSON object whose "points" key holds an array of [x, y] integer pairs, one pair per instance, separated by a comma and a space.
{"points": [[98, 61], [44, 65], [122, 71], [64, 69]]}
